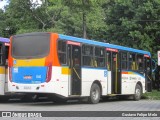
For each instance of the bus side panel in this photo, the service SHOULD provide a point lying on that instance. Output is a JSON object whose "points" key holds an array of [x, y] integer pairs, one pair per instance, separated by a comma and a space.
{"points": [[89, 75], [2, 80], [60, 81], [109, 83], [129, 81]]}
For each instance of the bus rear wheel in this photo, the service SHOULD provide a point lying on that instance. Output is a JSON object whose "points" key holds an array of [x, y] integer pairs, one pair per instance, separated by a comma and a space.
{"points": [[94, 94], [138, 93]]}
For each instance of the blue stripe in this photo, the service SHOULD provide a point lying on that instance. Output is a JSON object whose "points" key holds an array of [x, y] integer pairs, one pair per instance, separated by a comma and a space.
{"points": [[29, 75], [65, 37], [87, 67], [94, 68]]}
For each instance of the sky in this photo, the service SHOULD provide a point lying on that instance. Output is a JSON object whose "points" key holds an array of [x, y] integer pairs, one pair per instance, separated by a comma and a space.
{"points": [[3, 3]]}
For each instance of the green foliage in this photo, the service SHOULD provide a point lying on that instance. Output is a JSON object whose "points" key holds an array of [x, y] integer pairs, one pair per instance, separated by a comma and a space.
{"points": [[2, 22], [21, 31], [132, 23], [154, 95]]}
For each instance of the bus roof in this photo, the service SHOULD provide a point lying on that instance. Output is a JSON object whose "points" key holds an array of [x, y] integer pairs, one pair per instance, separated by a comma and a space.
{"points": [[4, 39], [92, 42]]}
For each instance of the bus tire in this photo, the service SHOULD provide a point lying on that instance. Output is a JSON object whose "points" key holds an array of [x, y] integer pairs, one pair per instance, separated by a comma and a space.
{"points": [[94, 94], [138, 93]]}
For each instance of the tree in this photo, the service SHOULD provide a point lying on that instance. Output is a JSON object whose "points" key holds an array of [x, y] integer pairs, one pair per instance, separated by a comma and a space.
{"points": [[31, 16], [83, 8], [2, 22], [133, 23]]}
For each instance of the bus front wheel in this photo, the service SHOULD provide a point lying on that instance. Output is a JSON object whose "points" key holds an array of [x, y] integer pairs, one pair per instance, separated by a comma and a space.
{"points": [[138, 92], [94, 94]]}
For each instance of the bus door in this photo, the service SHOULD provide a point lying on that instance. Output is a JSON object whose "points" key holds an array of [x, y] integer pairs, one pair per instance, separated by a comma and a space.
{"points": [[115, 71], [6, 66], [3, 68], [74, 54], [148, 74]]}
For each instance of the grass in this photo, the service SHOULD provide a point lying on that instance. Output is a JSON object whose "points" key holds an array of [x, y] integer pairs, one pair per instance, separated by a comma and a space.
{"points": [[154, 95]]}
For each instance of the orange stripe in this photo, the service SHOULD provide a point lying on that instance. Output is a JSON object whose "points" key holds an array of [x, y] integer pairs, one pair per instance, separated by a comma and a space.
{"points": [[124, 72], [53, 57], [10, 59]]}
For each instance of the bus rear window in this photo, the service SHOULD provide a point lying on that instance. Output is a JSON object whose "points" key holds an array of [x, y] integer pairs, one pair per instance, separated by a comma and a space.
{"points": [[31, 46]]}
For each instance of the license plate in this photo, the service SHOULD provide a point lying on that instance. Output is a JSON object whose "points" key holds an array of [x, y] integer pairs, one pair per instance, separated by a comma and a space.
{"points": [[27, 77], [27, 87]]}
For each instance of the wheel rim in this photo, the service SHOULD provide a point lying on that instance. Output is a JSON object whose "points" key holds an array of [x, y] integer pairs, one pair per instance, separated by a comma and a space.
{"points": [[138, 93], [95, 94]]}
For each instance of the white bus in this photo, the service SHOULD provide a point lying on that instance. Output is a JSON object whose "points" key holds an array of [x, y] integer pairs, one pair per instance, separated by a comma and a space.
{"points": [[65, 67]]}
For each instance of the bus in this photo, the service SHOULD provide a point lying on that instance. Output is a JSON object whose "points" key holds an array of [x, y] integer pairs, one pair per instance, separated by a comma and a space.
{"points": [[65, 67], [156, 74], [4, 49]]}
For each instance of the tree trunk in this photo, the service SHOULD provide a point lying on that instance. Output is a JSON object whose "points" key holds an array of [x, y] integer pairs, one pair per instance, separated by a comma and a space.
{"points": [[84, 21]]}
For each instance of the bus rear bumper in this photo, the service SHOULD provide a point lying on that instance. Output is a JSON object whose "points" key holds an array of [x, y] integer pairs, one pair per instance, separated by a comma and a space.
{"points": [[50, 87]]}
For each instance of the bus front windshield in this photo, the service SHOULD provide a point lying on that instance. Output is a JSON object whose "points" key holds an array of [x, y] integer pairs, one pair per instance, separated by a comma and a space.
{"points": [[30, 46]]}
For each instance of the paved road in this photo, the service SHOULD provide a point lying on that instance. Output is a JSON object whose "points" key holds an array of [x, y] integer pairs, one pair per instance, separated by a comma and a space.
{"points": [[115, 105]]}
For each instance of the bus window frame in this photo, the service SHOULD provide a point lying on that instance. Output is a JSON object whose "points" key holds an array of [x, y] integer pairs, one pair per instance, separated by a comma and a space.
{"points": [[84, 55], [134, 60], [126, 61], [99, 56], [143, 60], [61, 52]]}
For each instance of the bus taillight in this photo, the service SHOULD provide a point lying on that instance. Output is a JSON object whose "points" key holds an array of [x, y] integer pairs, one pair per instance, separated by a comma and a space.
{"points": [[10, 74], [49, 73]]}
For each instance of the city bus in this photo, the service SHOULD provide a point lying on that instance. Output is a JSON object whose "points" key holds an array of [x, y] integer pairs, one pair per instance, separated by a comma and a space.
{"points": [[65, 67], [156, 74], [4, 49]]}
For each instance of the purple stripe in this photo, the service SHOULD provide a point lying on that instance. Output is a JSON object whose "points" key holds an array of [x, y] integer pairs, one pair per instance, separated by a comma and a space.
{"points": [[4, 40]]}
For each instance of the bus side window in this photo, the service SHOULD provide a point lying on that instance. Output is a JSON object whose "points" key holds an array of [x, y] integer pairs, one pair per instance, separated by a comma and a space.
{"points": [[99, 56], [132, 61], [124, 60], [131, 66], [140, 62], [62, 51], [95, 63], [76, 61], [87, 55]]}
